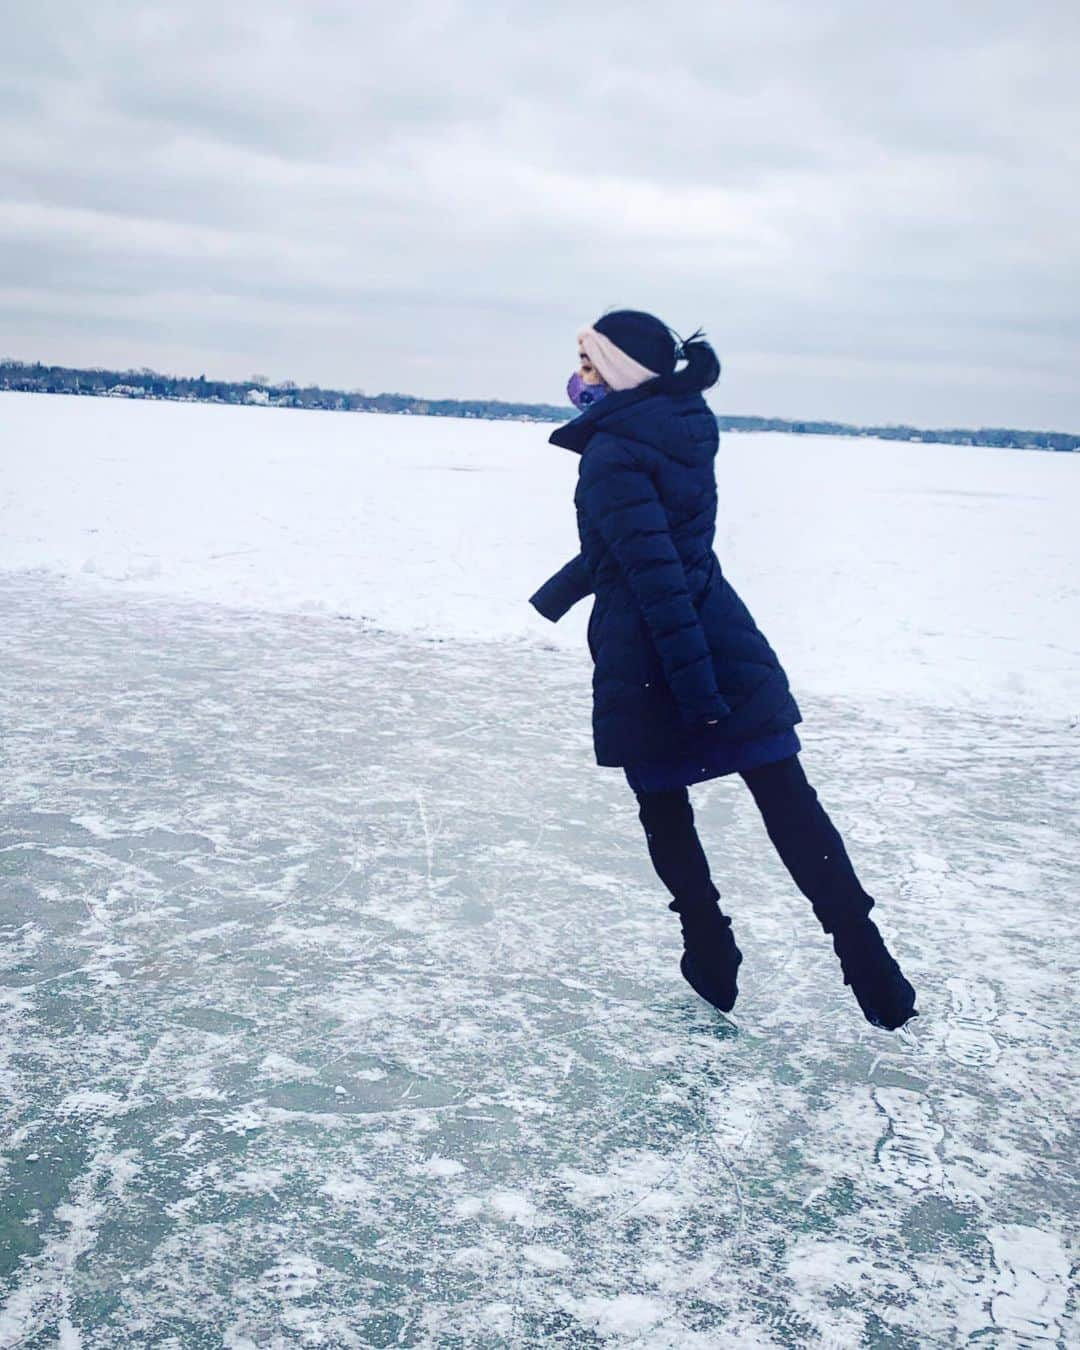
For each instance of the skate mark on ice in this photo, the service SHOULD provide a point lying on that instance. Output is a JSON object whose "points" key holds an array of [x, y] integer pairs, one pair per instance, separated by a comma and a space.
{"points": [[973, 1000], [895, 790], [908, 1152], [1030, 1285], [969, 1040], [710, 1138]]}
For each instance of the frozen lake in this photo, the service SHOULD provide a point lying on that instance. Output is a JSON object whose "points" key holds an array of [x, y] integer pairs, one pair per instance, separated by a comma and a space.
{"points": [[884, 571], [341, 1007]]}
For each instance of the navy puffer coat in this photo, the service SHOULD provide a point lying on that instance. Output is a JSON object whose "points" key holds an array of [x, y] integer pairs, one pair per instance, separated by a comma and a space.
{"points": [[672, 643]]}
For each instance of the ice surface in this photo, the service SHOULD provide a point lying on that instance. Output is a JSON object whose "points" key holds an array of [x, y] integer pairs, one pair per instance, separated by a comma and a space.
{"points": [[949, 574], [340, 1007], [339, 1003]]}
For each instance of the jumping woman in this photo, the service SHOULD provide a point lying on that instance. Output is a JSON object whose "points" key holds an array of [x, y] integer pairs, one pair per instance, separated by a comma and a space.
{"points": [[685, 686]]}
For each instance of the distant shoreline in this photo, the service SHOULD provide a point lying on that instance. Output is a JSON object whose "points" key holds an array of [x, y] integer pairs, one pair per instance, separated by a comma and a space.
{"points": [[35, 378]]}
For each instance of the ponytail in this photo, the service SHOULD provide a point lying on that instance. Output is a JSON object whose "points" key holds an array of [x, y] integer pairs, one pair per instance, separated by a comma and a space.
{"points": [[702, 369]]}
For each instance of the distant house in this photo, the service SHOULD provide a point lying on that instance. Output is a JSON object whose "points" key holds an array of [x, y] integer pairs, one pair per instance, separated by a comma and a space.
{"points": [[33, 377]]}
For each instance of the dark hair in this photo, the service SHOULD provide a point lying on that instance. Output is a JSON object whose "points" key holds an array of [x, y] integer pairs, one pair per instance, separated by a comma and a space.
{"points": [[650, 341], [702, 369]]}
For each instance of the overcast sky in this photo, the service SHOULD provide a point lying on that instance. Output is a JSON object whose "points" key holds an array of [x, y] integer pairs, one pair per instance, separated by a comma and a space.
{"points": [[872, 209]]}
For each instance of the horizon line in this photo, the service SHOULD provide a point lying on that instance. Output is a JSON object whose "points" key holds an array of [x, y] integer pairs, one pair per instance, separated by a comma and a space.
{"points": [[289, 386]]}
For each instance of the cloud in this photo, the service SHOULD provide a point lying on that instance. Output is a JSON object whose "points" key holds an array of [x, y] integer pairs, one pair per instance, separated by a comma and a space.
{"points": [[873, 212]]}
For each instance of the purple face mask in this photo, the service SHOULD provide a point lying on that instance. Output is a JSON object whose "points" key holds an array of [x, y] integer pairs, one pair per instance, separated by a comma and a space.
{"points": [[584, 395]]}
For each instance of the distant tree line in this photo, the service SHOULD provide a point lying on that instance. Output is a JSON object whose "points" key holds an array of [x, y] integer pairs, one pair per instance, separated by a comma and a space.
{"points": [[149, 384]]}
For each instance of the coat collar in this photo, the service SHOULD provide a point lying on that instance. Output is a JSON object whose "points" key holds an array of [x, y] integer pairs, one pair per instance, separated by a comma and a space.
{"points": [[574, 435]]}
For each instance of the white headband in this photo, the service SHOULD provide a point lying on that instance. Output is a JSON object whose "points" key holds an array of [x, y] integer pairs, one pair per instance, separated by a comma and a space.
{"points": [[617, 370]]}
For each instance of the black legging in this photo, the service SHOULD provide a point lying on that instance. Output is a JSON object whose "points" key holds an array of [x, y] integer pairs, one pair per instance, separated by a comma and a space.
{"points": [[801, 831]]}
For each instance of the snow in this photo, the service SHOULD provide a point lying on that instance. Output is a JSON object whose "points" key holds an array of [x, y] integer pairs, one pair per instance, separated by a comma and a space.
{"points": [[340, 1005], [947, 575]]}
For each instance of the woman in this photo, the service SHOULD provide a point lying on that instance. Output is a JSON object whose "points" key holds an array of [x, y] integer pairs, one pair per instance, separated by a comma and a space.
{"points": [[685, 686]]}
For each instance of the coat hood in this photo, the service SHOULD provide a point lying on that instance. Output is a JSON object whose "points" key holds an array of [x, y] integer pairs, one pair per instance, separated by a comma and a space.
{"points": [[680, 425]]}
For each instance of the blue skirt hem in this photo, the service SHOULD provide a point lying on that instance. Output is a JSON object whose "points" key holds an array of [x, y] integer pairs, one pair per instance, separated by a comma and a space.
{"points": [[713, 762]]}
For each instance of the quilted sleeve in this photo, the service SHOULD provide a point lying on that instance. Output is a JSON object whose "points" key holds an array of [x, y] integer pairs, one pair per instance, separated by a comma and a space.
{"points": [[621, 500], [571, 583]]}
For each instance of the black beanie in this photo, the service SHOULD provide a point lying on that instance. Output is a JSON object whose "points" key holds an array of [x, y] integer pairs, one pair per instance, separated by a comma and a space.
{"points": [[643, 336]]}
